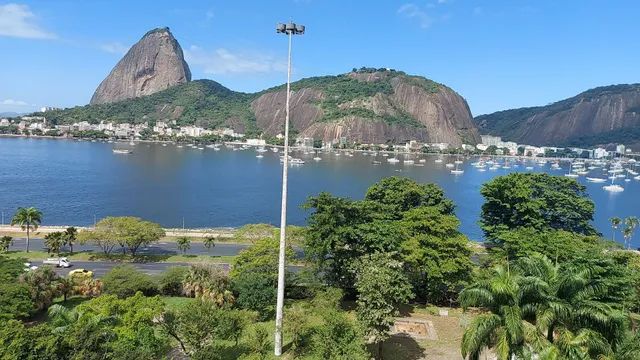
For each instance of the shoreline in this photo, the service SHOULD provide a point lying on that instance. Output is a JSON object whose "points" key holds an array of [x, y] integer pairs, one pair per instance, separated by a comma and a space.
{"points": [[295, 148]]}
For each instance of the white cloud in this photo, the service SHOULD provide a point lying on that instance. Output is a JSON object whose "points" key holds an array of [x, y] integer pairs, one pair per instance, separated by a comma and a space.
{"points": [[222, 61], [413, 11], [19, 21], [12, 102], [114, 48]]}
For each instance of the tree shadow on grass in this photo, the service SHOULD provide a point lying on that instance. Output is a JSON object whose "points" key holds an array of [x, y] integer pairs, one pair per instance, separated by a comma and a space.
{"points": [[400, 347]]}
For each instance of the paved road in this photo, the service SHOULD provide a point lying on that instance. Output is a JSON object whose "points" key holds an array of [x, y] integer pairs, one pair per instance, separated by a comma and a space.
{"points": [[160, 248]]}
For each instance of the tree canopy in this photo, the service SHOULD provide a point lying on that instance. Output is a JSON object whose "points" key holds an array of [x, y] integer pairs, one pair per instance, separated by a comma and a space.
{"points": [[538, 201]]}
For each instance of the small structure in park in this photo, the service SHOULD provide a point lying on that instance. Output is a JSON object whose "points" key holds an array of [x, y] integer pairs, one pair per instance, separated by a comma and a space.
{"points": [[415, 328]]}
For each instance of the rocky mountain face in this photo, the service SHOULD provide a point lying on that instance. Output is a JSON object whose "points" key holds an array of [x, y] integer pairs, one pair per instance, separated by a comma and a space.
{"points": [[369, 107], [598, 116], [372, 106], [153, 64]]}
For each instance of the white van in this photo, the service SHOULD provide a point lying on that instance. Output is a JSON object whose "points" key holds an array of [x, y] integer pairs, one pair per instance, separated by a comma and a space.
{"points": [[58, 262]]}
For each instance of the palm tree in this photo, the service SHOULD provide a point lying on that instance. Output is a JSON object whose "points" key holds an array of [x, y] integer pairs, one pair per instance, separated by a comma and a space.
{"points": [[5, 242], [183, 243], [615, 223], [630, 225], [502, 326], [208, 242], [28, 218], [564, 307], [71, 235], [54, 242]]}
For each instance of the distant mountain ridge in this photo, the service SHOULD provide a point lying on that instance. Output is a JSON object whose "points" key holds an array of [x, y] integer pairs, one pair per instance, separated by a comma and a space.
{"points": [[152, 82], [603, 115]]}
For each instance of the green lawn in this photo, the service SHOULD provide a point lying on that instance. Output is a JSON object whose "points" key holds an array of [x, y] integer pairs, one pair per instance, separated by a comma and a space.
{"points": [[94, 256]]}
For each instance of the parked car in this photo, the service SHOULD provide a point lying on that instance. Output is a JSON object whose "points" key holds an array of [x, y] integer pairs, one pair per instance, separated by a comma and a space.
{"points": [[58, 262], [29, 267], [81, 272]]}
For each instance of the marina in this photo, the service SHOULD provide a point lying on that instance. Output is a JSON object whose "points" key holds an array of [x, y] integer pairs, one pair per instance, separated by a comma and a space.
{"points": [[232, 185]]}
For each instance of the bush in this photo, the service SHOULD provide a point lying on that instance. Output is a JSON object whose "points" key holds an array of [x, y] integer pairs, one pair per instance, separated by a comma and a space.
{"points": [[125, 280], [170, 282], [255, 291]]}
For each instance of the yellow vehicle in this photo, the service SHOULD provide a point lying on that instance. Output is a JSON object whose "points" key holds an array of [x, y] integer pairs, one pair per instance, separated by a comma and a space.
{"points": [[81, 272]]}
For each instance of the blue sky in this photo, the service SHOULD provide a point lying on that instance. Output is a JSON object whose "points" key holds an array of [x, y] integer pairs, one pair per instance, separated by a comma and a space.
{"points": [[498, 54]]}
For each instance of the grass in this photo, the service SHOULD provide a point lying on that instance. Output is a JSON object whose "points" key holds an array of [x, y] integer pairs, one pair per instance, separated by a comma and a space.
{"points": [[95, 256]]}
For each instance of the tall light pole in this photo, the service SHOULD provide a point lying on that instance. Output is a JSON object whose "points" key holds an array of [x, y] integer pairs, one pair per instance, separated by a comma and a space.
{"points": [[289, 29]]}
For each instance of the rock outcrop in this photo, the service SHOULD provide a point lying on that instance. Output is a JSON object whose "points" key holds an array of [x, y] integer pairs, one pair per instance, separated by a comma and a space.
{"points": [[153, 64], [404, 108], [598, 116]]}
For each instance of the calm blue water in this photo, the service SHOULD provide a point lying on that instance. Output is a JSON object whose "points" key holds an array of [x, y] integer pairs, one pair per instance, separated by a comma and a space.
{"points": [[72, 181]]}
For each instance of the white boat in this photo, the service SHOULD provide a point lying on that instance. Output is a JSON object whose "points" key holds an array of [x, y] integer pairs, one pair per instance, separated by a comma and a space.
{"points": [[529, 167], [457, 172], [458, 162], [210, 146], [393, 160], [292, 160], [122, 151], [408, 162], [637, 177], [261, 150], [596, 180], [613, 188], [422, 161], [449, 165], [572, 175], [274, 149], [259, 156], [179, 146], [317, 158], [438, 161]]}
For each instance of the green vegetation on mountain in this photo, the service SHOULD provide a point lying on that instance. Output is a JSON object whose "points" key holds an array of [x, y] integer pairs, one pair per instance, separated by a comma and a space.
{"points": [[202, 102], [608, 114], [210, 105]]}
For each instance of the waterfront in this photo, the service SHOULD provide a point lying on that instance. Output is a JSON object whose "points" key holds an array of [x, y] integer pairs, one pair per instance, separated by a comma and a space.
{"points": [[74, 181]]}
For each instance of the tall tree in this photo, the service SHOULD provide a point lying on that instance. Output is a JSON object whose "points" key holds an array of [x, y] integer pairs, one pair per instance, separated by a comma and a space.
{"points": [[129, 232], [341, 230], [71, 235], [436, 255], [630, 225], [538, 201], [209, 242], [382, 287], [615, 224], [28, 219], [54, 242], [5, 242], [183, 243]]}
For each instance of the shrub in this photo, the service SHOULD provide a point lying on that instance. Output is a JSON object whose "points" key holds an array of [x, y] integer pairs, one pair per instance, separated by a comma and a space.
{"points": [[255, 291], [125, 280], [170, 282]]}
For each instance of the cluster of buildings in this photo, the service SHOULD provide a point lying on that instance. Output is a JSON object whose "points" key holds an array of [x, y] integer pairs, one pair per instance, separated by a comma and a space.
{"points": [[512, 148], [118, 130], [171, 129]]}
